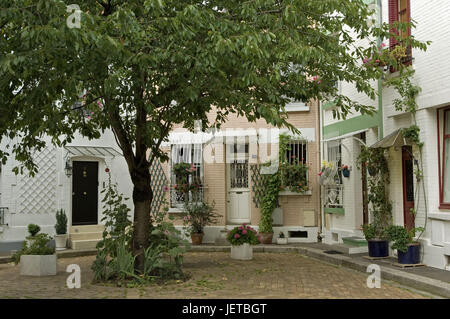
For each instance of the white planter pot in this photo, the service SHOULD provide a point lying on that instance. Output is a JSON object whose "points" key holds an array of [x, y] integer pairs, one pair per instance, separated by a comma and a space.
{"points": [[282, 241], [242, 252], [60, 241], [38, 265]]}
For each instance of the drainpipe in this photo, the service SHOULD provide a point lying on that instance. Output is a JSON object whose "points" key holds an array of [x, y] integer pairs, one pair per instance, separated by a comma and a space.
{"points": [[380, 80], [321, 151]]}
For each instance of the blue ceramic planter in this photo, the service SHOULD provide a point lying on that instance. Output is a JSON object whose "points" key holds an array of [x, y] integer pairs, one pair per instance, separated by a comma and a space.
{"points": [[412, 256], [378, 248]]}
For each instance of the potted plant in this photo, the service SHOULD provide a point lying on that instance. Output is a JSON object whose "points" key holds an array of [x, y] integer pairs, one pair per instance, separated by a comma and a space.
{"points": [[61, 230], [37, 259], [345, 171], [282, 240], [377, 241], [378, 199], [197, 216], [242, 239], [33, 229], [408, 249]]}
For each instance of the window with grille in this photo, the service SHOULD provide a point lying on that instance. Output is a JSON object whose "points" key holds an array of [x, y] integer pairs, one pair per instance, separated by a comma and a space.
{"points": [[296, 152], [191, 155], [294, 172], [237, 156]]}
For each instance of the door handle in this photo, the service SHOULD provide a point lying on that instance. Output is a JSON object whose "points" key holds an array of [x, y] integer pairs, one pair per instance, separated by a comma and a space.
{"points": [[238, 192]]}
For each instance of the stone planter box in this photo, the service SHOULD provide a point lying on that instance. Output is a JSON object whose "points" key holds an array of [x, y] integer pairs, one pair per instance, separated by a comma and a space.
{"points": [[38, 265], [242, 252], [282, 241], [60, 241]]}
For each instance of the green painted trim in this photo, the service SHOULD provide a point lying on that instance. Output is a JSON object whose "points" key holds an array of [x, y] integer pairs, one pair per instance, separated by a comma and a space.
{"points": [[350, 125], [328, 105], [354, 242], [330, 210]]}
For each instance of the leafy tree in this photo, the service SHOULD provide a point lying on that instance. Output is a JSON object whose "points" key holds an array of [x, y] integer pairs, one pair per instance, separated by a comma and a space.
{"points": [[142, 66]]}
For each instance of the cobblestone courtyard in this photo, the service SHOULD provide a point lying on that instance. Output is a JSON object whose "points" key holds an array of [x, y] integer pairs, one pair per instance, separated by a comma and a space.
{"points": [[213, 275]]}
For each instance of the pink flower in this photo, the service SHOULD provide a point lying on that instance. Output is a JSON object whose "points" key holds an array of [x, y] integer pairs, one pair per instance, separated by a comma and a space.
{"points": [[240, 228], [107, 170], [166, 232], [244, 232], [318, 82], [382, 45], [320, 174], [236, 236], [165, 188]]}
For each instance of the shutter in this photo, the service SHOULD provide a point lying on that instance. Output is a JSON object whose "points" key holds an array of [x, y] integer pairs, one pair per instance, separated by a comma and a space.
{"points": [[393, 17]]}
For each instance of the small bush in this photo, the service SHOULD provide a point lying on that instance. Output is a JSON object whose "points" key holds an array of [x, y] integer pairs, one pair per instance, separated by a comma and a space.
{"points": [[33, 229], [241, 235], [61, 222], [38, 247]]}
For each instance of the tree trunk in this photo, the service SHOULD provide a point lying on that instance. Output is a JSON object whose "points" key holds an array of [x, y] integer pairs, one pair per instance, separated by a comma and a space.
{"points": [[142, 199]]}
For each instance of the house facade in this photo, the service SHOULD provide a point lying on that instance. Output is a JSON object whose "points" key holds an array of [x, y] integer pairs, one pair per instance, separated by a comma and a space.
{"points": [[228, 164], [69, 178], [427, 195]]}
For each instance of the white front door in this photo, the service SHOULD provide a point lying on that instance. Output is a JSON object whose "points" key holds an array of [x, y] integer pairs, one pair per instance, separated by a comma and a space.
{"points": [[238, 199]]}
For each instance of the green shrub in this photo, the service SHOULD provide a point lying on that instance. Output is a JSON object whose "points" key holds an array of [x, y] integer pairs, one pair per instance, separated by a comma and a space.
{"points": [[401, 236], [61, 222], [241, 235], [33, 229], [38, 247], [198, 215]]}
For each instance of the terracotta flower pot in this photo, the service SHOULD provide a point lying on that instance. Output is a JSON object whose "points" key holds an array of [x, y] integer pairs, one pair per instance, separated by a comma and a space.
{"points": [[197, 238], [265, 238]]}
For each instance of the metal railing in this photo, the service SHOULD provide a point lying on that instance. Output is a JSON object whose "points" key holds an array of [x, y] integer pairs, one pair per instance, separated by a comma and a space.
{"points": [[178, 198], [334, 196]]}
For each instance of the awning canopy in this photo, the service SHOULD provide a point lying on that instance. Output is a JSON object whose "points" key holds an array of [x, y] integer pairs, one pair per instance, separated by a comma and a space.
{"points": [[395, 139], [97, 151]]}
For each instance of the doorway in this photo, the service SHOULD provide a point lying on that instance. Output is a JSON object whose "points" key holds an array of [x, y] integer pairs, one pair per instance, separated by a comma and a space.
{"points": [[408, 186], [85, 193], [238, 189]]}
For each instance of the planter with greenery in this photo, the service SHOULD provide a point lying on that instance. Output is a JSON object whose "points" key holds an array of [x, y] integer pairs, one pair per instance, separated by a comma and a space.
{"points": [[242, 239], [378, 200], [61, 230], [33, 229], [408, 249], [197, 216], [37, 258]]}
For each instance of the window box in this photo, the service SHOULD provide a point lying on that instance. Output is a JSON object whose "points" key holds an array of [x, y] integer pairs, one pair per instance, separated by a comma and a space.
{"points": [[290, 193]]}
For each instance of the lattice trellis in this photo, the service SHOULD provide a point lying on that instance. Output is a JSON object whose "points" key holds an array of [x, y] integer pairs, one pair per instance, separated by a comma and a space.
{"points": [[159, 182], [37, 195], [258, 188]]}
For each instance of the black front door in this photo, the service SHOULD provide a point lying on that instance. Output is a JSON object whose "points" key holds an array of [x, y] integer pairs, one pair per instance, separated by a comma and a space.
{"points": [[85, 193]]}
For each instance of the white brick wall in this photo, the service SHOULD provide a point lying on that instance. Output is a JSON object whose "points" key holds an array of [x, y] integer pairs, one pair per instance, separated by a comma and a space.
{"points": [[432, 69]]}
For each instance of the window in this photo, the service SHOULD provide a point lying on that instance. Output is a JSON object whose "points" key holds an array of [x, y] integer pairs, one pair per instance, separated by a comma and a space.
{"points": [[294, 170], [444, 156], [334, 155], [296, 152], [186, 174], [400, 11]]}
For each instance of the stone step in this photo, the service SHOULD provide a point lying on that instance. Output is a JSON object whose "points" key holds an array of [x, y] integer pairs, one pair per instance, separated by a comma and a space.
{"points": [[84, 244], [355, 241], [350, 249], [86, 229], [86, 235]]}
